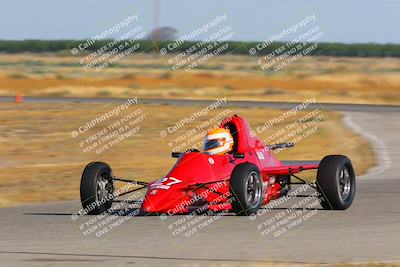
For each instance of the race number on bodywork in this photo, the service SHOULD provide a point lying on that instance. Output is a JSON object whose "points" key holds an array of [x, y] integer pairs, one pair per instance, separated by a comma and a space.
{"points": [[165, 183]]}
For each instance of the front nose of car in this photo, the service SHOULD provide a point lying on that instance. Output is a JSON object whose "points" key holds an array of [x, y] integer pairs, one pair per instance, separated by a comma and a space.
{"points": [[164, 201], [147, 206]]}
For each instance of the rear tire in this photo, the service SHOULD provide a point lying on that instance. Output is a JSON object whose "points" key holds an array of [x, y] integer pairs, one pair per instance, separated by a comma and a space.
{"points": [[96, 188], [246, 188], [336, 182]]}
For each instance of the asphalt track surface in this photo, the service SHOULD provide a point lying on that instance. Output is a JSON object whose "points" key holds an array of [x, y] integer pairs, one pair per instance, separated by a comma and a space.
{"points": [[46, 235]]}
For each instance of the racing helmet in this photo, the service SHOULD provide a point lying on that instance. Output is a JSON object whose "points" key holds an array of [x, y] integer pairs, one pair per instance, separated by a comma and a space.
{"points": [[218, 141]]}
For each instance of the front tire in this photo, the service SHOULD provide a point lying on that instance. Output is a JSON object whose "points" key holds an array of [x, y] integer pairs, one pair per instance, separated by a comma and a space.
{"points": [[336, 182], [246, 189], [96, 188]]}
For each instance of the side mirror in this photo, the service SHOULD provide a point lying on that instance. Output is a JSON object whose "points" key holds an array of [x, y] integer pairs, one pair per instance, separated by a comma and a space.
{"points": [[238, 156], [282, 145], [176, 154]]}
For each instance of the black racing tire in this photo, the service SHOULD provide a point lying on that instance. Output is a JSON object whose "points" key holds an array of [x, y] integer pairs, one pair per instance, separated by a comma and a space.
{"points": [[336, 182], [96, 188], [246, 189]]}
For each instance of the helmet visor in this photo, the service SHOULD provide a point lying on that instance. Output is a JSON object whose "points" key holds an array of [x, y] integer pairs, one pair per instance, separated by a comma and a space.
{"points": [[213, 143]]}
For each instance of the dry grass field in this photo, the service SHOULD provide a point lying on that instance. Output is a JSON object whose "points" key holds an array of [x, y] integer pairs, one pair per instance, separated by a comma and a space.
{"points": [[40, 161], [329, 79]]}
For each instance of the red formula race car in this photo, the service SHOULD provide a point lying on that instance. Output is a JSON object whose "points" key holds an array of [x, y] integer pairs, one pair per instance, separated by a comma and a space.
{"points": [[240, 182]]}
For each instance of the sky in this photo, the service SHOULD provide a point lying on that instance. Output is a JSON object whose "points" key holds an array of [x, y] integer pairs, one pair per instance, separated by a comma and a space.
{"points": [[345, 21]]}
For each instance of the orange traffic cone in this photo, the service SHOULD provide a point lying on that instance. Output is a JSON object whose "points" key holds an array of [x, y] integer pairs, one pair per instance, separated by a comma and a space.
{"points": [[19, 98]]}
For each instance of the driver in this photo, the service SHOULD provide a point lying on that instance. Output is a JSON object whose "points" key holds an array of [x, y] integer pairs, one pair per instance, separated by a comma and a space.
{"points": [[218, 141]]}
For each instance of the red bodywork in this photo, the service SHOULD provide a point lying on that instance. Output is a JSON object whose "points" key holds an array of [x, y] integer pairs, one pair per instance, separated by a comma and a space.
{"points": [[198, 179]]}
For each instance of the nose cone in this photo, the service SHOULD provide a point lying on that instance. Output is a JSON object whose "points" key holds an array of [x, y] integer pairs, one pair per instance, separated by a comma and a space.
{"points": [[193, 167], [170, 194], [164, 201], [147, 206], [153, 201]]}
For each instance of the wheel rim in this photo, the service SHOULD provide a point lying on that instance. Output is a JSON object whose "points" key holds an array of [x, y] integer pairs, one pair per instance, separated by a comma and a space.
{"points": [[104, 186], [344, 183], [253, 189]]}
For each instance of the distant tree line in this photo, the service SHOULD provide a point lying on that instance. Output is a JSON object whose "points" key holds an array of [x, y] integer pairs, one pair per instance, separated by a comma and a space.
{"points": [[234, 47]]}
